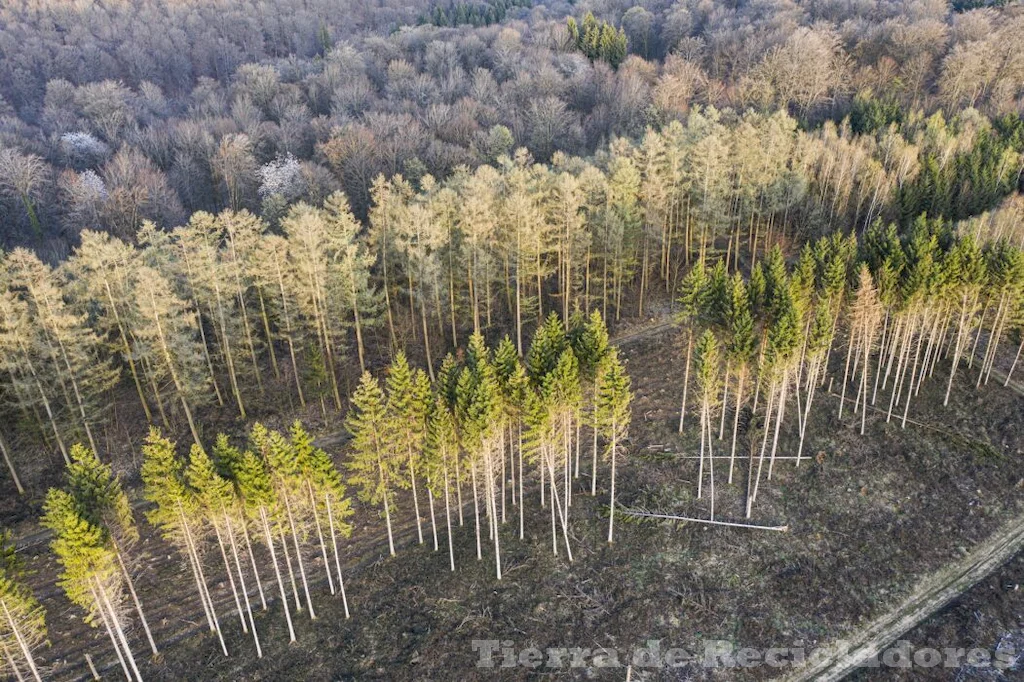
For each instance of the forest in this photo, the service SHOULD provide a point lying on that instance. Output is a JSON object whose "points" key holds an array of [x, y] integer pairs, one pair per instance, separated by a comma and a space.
{"points": [[283, 285]]}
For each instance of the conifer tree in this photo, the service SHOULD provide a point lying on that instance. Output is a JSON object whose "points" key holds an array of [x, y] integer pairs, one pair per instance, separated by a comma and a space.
{"points": [[591, 347], [561, 396], [90, 577], [175, 514], [215, 497], [693, 298], [22, 620], [287, 470], [373, 466], [102, 273], [740, 349], [408, 396], [323, 483], [612, 416], [441, 450], [69, 351], [259, 503], [708, 359], [101, 499], [167, 327], [479, 415]]}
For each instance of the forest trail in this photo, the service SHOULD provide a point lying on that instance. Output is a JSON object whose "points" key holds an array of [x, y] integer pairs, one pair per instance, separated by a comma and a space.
{"points": [[837, 660]]}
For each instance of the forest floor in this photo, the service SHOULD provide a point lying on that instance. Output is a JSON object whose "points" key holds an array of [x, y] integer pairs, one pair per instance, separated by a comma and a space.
{"points": [[869, 517]]}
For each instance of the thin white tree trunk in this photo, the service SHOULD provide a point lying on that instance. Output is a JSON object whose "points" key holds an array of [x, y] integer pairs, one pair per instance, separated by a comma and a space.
{"points": [[277, 572], [611, 497], [135, 600], [22, 644], [337, 556], [298, 557]]}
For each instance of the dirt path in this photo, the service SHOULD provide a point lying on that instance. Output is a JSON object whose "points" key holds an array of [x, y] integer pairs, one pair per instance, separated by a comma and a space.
{"points": [[837, 660]]}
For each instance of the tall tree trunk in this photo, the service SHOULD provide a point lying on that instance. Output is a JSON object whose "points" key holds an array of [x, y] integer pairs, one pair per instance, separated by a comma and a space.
{"points": [[135, 600], [245, 590], [686, 376], [116, 621], [415, 497], [320, 535], [277, 572], [736, 420], [10, 466], [22, 644], [298, 556], [611, 498], [337, 556]]}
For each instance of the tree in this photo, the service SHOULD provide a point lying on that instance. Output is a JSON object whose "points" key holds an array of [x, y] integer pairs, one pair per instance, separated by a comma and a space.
{"points": [[69, 350], [708, 361], [22, 176], [612, 415], [101, 500], [693, 298], [167, 327], [90, 577], [408, 395], [23, 625], [441, 451], [323, 481], [373, 466], [176, 513], [259, 502], [740, 349], [217, 503], [286, 466], [102, 275], [479, 415], [590, 346]]}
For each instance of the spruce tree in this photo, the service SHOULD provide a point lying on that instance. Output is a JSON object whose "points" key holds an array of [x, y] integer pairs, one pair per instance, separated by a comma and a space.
{"points": [[176, 513], [441, 451], [90, 576], [215, 497], [612, 416], [407, 405], [373, 466], [22, 619], [102, 501]]}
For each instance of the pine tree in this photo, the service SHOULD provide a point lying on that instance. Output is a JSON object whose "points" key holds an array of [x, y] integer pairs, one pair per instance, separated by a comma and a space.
{"points": [[479, 414], [612, 416], [90, 577], [740, 349], [102, 272], [69, 351], [22, 620], [407, 405], [175, 513], [441, 451], [373, 467], [260, 505], [287, 468], [561, 393], [548, 343], [102, 501], [591, 347], [215, 497], [694, 294], [708, 361], [323, 483], [168, 328]]}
